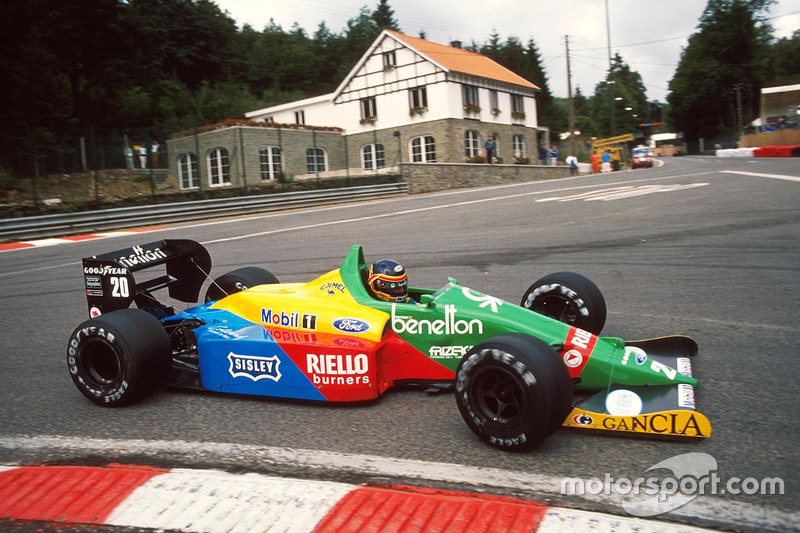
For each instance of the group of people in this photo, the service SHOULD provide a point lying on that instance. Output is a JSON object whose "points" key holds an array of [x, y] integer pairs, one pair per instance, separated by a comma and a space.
{"points": [[141, 151], [549, 156]]}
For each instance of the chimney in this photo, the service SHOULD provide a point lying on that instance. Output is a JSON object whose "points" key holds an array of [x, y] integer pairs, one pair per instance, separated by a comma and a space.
{"points": [[455, 44]]}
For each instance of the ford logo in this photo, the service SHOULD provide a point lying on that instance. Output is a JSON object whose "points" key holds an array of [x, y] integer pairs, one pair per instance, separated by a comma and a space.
{"points": [[350, 325]]}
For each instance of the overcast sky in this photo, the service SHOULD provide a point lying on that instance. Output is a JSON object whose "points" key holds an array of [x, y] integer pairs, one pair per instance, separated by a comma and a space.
{"points": [[648, 34]]}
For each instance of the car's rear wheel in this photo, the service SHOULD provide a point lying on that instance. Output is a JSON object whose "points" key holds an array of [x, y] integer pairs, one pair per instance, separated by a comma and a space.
{"points": [[513, 391], [569, 298], [237, 281], [119, 357]]}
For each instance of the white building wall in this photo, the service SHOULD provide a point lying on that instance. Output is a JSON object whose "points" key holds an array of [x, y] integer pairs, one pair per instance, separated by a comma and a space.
{"points": [[390, 88]]}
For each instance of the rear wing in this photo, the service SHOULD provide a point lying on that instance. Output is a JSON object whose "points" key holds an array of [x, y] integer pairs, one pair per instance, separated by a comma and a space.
{"points": [[110, 283]]}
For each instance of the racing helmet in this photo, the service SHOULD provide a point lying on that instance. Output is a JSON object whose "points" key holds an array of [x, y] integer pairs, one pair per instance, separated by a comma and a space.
{"points": [[388, 281]]}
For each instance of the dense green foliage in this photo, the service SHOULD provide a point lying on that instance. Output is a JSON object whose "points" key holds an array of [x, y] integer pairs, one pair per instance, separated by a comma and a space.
{"points": [[716, 87], [111, 70]]}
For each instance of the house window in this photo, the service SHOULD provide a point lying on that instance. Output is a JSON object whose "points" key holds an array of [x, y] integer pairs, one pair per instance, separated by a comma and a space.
{"points": [[271, 163], [496, 139], [369, 111], [471, 143], [418, 99], [315, 160], [219, 171], [188, 171], [517, 107], [494, 103], [471, 102], [423, 149], [372, 157], [389, 60], [518, 142], [299, 117]]}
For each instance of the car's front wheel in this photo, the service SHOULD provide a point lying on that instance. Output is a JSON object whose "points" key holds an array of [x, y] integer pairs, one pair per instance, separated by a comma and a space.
{"points": [[119, 357], [513, 391], [569, 298]]}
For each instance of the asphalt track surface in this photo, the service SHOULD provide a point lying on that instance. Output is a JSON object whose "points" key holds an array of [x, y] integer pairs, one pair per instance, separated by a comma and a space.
{"points": [[700, 246]]}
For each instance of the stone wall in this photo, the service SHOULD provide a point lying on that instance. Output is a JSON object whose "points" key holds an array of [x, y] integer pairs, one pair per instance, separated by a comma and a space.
{"points": [[343, 153], [429, 177]]}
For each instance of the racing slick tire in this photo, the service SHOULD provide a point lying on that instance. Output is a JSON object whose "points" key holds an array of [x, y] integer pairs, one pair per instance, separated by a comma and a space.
{"points": [[237, 281], [513, 391], [569, 298], [119, 357]]}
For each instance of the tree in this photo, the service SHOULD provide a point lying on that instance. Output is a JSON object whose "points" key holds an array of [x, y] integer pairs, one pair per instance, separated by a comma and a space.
{"points": [[720, 71], [785, 59], [384, 16]]}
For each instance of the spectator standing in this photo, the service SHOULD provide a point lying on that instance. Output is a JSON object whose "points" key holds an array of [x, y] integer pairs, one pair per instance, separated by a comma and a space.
{"points": [[128, 152], [572, 163], [489, 147], [154, 154], [595, 160], [553, 155], [143, 156], [543, 154], [606, 162]]}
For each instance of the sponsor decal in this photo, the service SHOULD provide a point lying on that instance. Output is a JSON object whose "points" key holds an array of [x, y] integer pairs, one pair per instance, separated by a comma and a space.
{"points": [[686, 396], [94, 292], [450, 325], [254, 367], [225, 332], [639, 355], [485, 301], [573, 358], [686, 423], [93, 282], [140, 256], [448, 352], [349, 342], [288, 336], [292, 320], [623, 402], [332, 288], [684, 366], [94, 312], [105, 270], [351, 325], [583, 419], [338, 369], [577, 350]]}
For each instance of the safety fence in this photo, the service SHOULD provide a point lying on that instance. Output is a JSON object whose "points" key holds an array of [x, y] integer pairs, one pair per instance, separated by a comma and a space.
{"points": [[36, 227]]}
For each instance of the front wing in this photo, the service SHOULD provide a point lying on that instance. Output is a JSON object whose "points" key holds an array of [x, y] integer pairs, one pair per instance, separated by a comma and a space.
{"points": [[654, 411]]}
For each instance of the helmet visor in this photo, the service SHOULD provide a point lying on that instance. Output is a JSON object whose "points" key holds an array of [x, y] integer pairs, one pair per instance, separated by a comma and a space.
{"points": [[394, 288]]}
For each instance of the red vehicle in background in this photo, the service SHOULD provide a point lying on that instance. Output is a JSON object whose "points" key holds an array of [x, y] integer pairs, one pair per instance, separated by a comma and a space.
{"points": [[642, 157]]}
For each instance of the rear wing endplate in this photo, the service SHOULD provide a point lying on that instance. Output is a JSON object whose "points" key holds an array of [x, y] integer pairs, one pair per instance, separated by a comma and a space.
{"points": [[110, 283]]}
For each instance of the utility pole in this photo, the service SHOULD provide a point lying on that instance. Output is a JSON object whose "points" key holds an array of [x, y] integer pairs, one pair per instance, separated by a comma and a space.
{"points": [[610, 81], [738, 89], [570, 104]]}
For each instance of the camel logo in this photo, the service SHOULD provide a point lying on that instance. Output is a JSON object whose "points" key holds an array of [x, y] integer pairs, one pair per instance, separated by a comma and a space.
{"points": [[254, 367]]}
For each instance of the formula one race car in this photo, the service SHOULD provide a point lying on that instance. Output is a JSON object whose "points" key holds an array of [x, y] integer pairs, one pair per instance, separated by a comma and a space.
{"points": [[519, 371]]}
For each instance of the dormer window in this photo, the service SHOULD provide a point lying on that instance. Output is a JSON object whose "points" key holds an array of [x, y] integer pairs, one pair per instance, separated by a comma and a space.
{"points": [[389, 60]]}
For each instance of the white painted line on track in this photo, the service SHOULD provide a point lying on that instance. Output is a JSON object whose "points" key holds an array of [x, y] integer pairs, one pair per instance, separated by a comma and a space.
{"points": [[761, 175], [706, 508], [429, 208]]}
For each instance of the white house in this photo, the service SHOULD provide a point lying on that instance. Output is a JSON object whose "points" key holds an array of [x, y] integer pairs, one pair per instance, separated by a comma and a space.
{"points": [[407, 102], [404, 81]]}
